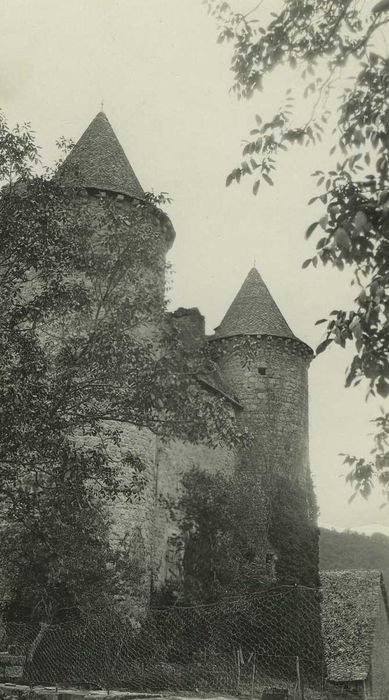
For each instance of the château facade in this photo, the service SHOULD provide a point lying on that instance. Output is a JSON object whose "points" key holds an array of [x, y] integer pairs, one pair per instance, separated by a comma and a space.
{"points": [[268, 396]]}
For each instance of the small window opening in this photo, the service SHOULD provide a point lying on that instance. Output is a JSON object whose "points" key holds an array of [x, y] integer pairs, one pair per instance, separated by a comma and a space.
{"points": [[262, 370], [271, 558]]}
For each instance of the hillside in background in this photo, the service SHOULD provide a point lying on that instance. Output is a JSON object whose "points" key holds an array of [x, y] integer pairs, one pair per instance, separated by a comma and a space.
{"points": [[350, 550]]}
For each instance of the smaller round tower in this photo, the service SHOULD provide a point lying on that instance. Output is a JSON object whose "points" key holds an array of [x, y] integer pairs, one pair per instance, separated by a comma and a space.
{"points": [[266, 366]]}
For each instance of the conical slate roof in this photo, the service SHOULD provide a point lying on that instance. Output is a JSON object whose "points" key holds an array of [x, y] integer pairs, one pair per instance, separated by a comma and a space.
{"points": [[253, 312], [98, 161]]}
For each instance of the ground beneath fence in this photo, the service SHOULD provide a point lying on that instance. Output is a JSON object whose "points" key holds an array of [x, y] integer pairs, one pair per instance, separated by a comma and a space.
{"points": [[12, 690]]}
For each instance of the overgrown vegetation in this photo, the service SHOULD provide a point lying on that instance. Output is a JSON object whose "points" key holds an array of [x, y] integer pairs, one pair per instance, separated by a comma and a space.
{"points": [[238, 544], [294, 534], [221, 536], [236, 536]]}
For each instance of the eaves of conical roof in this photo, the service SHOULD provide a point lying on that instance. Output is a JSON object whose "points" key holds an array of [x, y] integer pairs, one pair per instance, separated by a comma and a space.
{"points": [[253, 312], [98, 161]]}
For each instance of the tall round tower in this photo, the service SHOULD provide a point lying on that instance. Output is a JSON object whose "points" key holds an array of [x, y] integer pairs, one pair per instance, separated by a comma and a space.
{"points": [[98, 172]]}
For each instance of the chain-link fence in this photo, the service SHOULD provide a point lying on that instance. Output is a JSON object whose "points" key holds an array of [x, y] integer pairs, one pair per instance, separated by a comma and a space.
{"points": [[270, 639]]}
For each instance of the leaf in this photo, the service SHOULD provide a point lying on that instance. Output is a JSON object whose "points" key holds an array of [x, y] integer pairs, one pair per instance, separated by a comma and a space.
{"points": [[306, 263], [342, 238], [324, 222], [383, 387], [268, 179], [311, 229], [362, 297], [323, 346], [256, 187]]}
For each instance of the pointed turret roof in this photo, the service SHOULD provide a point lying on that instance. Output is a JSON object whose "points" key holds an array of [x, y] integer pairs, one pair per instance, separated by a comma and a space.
{"points": [[98, 161], [253, 312]]}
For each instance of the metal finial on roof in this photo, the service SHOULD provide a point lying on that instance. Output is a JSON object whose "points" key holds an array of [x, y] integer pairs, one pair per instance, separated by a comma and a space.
{"points": [[102, 106]]}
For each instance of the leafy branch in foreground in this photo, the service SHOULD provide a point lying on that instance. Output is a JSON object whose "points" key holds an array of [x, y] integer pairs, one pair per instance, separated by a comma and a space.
{"points": [[324, 43], [316, 40]]}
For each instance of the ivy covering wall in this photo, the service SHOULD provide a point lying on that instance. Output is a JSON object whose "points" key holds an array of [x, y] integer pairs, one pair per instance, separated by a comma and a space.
{"points": [[293, 533]]}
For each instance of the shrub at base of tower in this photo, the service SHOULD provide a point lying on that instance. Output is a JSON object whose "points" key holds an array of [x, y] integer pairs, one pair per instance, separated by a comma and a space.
{"points": [[84, 352], [222, 526], [223, 535], [227, 528], [294, 534]]}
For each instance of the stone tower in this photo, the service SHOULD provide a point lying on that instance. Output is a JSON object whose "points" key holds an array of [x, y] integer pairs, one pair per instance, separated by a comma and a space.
{"points": [[98, 167], [267, 368]]}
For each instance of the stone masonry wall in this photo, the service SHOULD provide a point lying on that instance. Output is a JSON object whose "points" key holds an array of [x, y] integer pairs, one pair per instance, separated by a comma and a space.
{"points": [[146, 522], [132, 521], [274, 395], [273, 391]]}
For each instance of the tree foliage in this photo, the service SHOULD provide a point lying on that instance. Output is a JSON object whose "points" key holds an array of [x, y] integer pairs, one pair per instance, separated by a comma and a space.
{"points": [[80, 357], [330, 47], [237, 534], [221, 534], [255, 543], [294, 535], [351, 550]]}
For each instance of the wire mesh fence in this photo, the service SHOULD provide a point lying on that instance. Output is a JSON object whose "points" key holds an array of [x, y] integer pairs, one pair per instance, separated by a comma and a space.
{"points": [[270, 639]]}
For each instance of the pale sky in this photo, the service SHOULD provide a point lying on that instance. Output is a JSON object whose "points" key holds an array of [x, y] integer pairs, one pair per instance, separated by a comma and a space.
{"points": [[165, 85]]}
